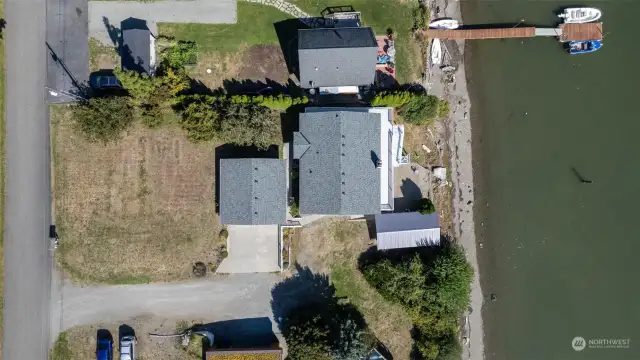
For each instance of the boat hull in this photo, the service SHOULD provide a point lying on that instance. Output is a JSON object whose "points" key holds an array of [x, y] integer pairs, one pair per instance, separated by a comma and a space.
{"points": [[436, 52], [580, 15], [584, 47], [448, 24]]}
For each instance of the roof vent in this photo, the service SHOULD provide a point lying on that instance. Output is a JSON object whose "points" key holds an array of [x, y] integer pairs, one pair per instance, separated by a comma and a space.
{"points": [[379, 164]]}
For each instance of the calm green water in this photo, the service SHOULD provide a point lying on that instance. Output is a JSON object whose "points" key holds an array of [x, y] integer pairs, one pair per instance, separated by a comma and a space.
{"points": [[561, 256]]}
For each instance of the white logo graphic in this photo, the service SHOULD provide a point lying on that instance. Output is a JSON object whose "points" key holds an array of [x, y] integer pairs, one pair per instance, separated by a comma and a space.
{"points": [[578, 343]]}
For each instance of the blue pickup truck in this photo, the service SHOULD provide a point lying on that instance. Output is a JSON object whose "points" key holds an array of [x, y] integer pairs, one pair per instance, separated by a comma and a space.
{"points": [[104, 349]]}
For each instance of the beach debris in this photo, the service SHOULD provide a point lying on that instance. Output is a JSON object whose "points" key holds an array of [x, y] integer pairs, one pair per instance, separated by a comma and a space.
{"points": [[465, 340], [208, 71], [440, 172], [425, 148], [448, 68], [494, 297], [481, 245]]}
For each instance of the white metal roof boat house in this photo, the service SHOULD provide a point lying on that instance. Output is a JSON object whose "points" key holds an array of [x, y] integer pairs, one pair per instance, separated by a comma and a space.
{"points": [[406, 230]]}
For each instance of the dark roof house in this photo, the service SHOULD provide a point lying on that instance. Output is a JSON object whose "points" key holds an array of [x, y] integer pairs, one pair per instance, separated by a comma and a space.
{"points": [[252, 191], [135, 51], [338, 153], [332, 57], [406, 230]]}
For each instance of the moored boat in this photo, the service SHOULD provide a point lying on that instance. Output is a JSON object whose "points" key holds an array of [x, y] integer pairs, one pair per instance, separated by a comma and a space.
{"points": [[444, 23], [436, 52], [584, 46], [580, 15]]}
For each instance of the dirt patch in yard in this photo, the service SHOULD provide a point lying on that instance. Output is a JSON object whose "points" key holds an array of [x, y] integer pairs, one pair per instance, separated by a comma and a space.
{"points": [[102, 56], [257, 63], [79, 343], [212, 68], [333, 246], [138, 210], [261, 62]]}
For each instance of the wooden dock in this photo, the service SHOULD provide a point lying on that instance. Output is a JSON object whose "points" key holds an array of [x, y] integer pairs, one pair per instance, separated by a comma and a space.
{"points": [[566, 32]]}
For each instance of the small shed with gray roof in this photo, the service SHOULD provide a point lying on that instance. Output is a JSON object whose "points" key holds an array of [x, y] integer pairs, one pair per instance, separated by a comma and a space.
{"points": [[252, 191], [406, 230], [333, 57], [338, 153]]}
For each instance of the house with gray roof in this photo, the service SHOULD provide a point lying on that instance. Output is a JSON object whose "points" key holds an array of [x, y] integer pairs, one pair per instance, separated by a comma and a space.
{"points": [[252, 191], [406, 230], [339, 153], [337, 57]]}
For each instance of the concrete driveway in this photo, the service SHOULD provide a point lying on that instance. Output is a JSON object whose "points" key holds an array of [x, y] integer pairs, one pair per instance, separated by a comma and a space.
{"points": [[105, 16], [252, 248]]}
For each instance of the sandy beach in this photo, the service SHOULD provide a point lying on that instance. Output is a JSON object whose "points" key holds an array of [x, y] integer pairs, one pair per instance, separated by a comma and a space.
{"points": [[448, 80]]}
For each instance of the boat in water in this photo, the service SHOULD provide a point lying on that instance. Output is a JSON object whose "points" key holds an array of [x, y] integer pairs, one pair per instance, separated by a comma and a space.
{"points": [[584, 46], [444, 23], [436, 52], [580, 15]]}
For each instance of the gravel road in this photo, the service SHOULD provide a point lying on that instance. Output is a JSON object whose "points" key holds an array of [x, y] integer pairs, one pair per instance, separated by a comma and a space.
{"points": [[230, 297]]}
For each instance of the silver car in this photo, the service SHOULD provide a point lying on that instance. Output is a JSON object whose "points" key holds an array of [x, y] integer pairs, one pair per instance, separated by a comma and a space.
{"points": [[128, 348]]}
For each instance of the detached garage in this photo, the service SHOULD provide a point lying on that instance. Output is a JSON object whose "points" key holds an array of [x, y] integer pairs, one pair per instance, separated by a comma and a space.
{"points": [[406, 230]]}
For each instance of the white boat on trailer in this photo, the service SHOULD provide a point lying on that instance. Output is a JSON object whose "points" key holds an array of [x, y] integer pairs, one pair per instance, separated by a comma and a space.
{"points": [[580, 15], [436, 52], [444, 23]]}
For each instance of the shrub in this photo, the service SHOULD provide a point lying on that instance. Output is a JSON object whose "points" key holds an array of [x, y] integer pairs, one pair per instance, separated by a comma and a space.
{"points": [[426, 207], [420, 109], [392, 99], [151, 115], [139, 86], [104, 118], [201, 121], [181, 54], [443, 108], [250, 124], [199, 269], [224, 234], [434, 291]]}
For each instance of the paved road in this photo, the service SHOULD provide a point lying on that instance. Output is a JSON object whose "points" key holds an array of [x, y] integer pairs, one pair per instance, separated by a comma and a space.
{"points": [[233, 297], [27, 201], [68, 48], [112, 13]]}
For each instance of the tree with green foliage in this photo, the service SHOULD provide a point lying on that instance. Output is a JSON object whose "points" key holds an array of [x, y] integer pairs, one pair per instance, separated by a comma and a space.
{"points": [[426, 206], [420, 109], [201, 121], [139, 86], [434, 290], [327, 331], [250, 124], [103, 118], [276, 102]]}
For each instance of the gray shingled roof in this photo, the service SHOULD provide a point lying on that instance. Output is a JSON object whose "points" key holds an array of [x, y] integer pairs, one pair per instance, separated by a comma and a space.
{"points": [[338, 174], [406, 229], [337, 56], [136, 50], [252, 191]]}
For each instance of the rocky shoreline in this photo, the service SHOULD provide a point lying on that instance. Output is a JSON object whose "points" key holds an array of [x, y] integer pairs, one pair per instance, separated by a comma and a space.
{"points": [[448, 80]]}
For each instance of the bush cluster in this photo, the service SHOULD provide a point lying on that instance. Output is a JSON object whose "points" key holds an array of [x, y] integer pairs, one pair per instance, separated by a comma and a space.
{"points": [[241, 123], [434, 291], [276, 102], [414, 107]]}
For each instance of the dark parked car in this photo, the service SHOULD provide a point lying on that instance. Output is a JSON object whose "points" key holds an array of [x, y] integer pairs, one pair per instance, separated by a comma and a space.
{"points": [[105, 349], [105, 81]]}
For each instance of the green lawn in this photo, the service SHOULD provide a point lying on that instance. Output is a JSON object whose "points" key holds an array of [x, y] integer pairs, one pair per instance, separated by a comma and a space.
{"points": [[254, 26], [382, 15]]}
